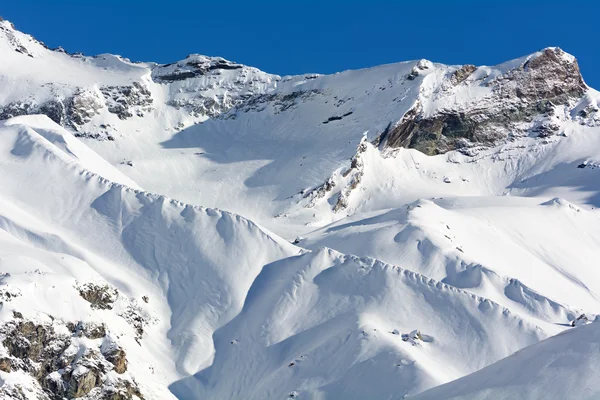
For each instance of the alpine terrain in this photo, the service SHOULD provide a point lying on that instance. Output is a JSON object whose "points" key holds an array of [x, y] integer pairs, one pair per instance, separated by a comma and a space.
{"points": [[206, 230]]}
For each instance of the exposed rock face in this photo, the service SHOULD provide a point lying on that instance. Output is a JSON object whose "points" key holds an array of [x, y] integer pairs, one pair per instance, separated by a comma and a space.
{"points": [[63, 365], [210, 86], [462, 73], [124, 101], [5, 364], [193, 66], [88, 329], [523, 95], [99, 297], [350, 179], [14, 42], [119, 359], [82, 107]]}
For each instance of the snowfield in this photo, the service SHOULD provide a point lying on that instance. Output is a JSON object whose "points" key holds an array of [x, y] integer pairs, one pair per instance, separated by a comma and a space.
{"points": [[204, 229]]}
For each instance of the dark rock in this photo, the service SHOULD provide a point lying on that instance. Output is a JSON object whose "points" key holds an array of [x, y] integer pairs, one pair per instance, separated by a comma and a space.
{"points": [[461, 74], [118, 358], [125, 390], [55, 110], [27, 340], [83, 381], [581, 320], [336, 118], [519, 96], [99, 297], [92, 330], [125, 100], [5, 364]]}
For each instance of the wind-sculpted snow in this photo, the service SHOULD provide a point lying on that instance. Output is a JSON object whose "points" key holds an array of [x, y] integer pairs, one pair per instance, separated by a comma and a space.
{"points": [[326, 324], [194, 264], [497, 247], [565, 366]]}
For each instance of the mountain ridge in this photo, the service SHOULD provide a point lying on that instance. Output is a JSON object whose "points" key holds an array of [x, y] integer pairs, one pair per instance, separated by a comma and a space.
{"points": [[390, 231]]}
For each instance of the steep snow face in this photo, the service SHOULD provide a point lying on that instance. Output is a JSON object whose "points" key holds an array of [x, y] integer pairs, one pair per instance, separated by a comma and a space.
{"points": [[326, 325], [496, 247], [179, 272], [190, 295], [563, 367], [562, 166]]}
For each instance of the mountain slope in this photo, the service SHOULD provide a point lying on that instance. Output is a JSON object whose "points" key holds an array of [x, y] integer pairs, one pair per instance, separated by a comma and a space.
{"points": [[445, 217], [179, 278], [212, 132], [132, 241], [329, 325], [496, 247], [562, 367]]}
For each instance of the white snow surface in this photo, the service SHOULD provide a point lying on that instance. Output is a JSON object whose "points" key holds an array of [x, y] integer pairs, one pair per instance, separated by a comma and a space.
{"points": [[489, 257], [565, 366]]}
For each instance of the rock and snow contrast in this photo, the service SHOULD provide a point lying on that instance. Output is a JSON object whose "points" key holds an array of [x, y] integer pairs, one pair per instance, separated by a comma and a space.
{"points": [[204, 229]]}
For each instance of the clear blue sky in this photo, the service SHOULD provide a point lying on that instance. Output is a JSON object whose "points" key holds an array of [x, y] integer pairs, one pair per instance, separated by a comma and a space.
{"points": [[291, 37]]}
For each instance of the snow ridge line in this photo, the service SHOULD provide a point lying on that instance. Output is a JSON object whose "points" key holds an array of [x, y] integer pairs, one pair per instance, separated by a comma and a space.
{"points": [[77, 167], [420, 278]]}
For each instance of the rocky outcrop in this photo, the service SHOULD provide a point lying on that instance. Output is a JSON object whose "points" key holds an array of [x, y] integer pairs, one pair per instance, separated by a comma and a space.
{"points": [[63, 365], [347, 180], [461, 74], [104, 297], [193, 66], [521, 101], [125, 101], [14, 42], [100, 297]]}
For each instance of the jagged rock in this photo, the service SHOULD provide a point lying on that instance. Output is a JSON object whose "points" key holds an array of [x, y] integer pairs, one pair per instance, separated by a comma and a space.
{"points": [[16, 109], [90, 330], [279, 101], [99, 297], [12, 393], [581, 320], [416, 70], [5, 364], [82, 381], [461, 74], [118, 358], [519, 96], [55, 110], [194, 65], [63, 366], [125, 390], [82, 107], [133, 314], [124, 101], [27, 340]]}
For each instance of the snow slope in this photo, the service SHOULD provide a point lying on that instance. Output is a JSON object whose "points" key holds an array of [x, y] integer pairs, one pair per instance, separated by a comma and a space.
{"points": [[496, 247], [562, 367], [201, 270], [446, 222], [326, 325], [132, 240]]}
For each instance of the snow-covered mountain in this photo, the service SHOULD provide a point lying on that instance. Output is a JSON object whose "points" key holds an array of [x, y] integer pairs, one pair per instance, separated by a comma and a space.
{"points": [[387, 230]]}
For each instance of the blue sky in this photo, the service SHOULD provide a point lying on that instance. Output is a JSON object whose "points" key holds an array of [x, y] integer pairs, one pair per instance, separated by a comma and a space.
{"points": [[291, 37]]}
